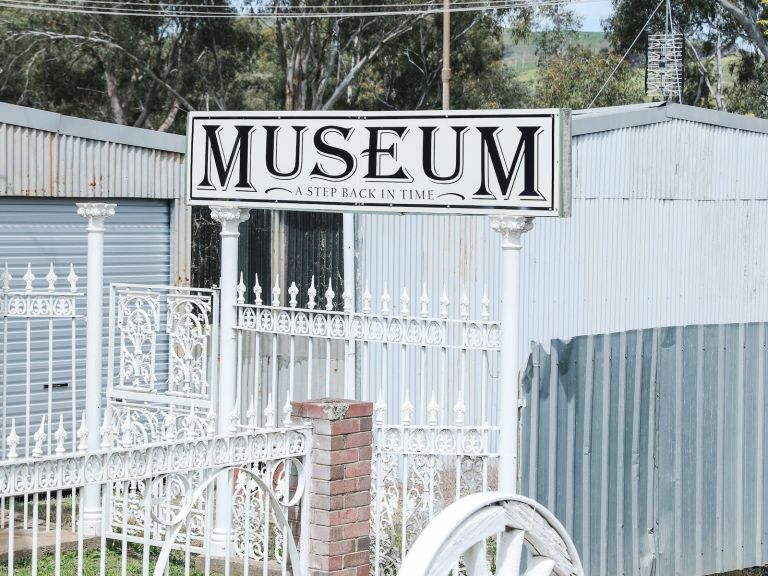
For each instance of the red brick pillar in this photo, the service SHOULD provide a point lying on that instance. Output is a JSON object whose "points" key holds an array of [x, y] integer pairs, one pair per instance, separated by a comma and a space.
{"points": [[339, 488]]}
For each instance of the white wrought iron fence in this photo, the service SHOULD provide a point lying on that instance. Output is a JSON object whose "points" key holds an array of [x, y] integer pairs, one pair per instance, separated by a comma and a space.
{"points": [[171, 519], [430, 447], [42, 371]]}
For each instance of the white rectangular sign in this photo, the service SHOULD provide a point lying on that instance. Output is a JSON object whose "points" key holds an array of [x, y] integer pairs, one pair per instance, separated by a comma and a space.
{"points": [[470, 162]]}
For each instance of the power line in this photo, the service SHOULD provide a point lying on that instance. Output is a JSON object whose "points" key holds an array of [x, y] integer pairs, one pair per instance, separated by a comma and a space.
{"points": [[626, 53], [179, 11]]}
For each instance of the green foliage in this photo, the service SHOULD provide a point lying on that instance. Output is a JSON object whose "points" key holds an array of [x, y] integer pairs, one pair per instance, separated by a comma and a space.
{"points": [[572, 79], [749, 93], [129, 70]]}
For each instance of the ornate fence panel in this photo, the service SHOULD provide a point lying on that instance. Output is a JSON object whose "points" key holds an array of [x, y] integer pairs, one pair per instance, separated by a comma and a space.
{"points": [[40, 366], [173, 509], [161, 384], [431, 447]]}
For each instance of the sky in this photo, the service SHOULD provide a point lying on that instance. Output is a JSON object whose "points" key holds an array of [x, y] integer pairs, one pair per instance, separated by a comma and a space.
{"points": [[592, 11]]}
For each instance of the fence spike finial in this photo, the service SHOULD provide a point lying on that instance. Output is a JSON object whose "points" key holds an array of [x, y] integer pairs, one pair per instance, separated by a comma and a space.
{"points": [[269, 412], [311, 293], [7, 279], [293, 291], [39, 437], [406, 409], [346, 297], [210, 419], [486, 303], [380, 408], [257, 290], [366, 299], [251, 413], [72, 278], [61, 436], [424, 301], [29, 278], [13, 441], [106, 432], [82, 435], [51, 279], [234, 418], [405, 302], [464, 304], [241, 290], [433, 410], [459, 411], [287, 410], [385, 299], [444, 302], [276, 292], [329, 296]]}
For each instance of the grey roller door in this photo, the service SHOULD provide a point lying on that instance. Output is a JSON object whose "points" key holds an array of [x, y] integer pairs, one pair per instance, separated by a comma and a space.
{"points": [[39, 231]]}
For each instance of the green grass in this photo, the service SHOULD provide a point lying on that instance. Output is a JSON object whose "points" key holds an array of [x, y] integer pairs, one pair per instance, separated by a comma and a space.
{"points": [[521, 56], [45, 564]]}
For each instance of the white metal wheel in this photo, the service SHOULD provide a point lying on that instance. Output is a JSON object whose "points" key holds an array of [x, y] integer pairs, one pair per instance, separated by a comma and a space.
{"points": [[521, 525]]}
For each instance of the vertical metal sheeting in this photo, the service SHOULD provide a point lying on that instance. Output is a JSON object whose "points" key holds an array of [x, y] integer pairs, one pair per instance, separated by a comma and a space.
{"points": [[666, 228], [649, 447], [45, 231]]}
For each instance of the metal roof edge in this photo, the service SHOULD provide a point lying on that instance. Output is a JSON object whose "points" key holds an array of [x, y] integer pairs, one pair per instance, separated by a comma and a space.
{"points": [[90, 129], [616, 117], [717, 118]]}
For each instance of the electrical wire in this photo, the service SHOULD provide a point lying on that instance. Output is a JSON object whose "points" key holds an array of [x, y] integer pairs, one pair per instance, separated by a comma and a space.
{"points": [[626, 53], [178, 11]]}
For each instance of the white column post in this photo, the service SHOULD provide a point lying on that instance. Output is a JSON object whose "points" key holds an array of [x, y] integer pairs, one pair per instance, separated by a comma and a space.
{"points": [[230, 219], [511, 229], [96, 213]]}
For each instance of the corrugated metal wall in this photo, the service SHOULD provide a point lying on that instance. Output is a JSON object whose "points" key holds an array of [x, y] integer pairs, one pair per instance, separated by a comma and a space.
{"points": [[649, 447], [46, 164], [667, 228], [46, 155]]}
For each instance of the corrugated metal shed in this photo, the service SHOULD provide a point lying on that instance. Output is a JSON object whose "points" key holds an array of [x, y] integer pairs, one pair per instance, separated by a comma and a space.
{"points": [[649, 447], [47, 155], [667, 227]]}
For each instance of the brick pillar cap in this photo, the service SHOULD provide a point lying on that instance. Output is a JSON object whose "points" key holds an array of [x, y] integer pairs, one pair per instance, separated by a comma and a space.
{"points": [[331, 409]]}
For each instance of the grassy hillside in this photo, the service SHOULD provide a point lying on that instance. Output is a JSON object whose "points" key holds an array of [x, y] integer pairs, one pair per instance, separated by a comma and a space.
{"points": [[521, 56]]}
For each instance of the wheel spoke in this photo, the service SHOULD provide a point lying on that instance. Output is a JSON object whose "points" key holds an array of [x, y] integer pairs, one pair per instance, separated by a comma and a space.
{"points": [[540, 566], [509, 552], [476, 561]]}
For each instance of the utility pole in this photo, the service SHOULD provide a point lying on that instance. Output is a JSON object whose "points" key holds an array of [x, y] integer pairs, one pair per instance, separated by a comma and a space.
{"points": [[446, 55]]}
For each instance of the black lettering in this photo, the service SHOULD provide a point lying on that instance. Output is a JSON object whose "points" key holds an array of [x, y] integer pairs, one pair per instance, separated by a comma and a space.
{"points": [[271, 148], [334, 152], [374, 151], [239, 150], [428, 154], [525, 155]]}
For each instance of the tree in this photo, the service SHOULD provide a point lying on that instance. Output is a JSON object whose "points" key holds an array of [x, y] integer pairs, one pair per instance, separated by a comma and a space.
{"points": [[128, 70], [711, 28], [572, 80]]}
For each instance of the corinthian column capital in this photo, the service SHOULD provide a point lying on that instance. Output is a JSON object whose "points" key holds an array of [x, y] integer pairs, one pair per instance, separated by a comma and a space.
{"points": [[230, 218], [511, 229]]}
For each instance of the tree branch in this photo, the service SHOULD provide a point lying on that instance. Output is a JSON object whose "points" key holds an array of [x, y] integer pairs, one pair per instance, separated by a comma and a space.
{"points": [[110, 44]]}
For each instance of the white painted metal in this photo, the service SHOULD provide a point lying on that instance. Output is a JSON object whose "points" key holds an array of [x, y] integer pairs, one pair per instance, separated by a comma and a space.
{"points": [[419, 469], [96, 214], [230, 219], [510, 229], [525, 534], [254, 461]]}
